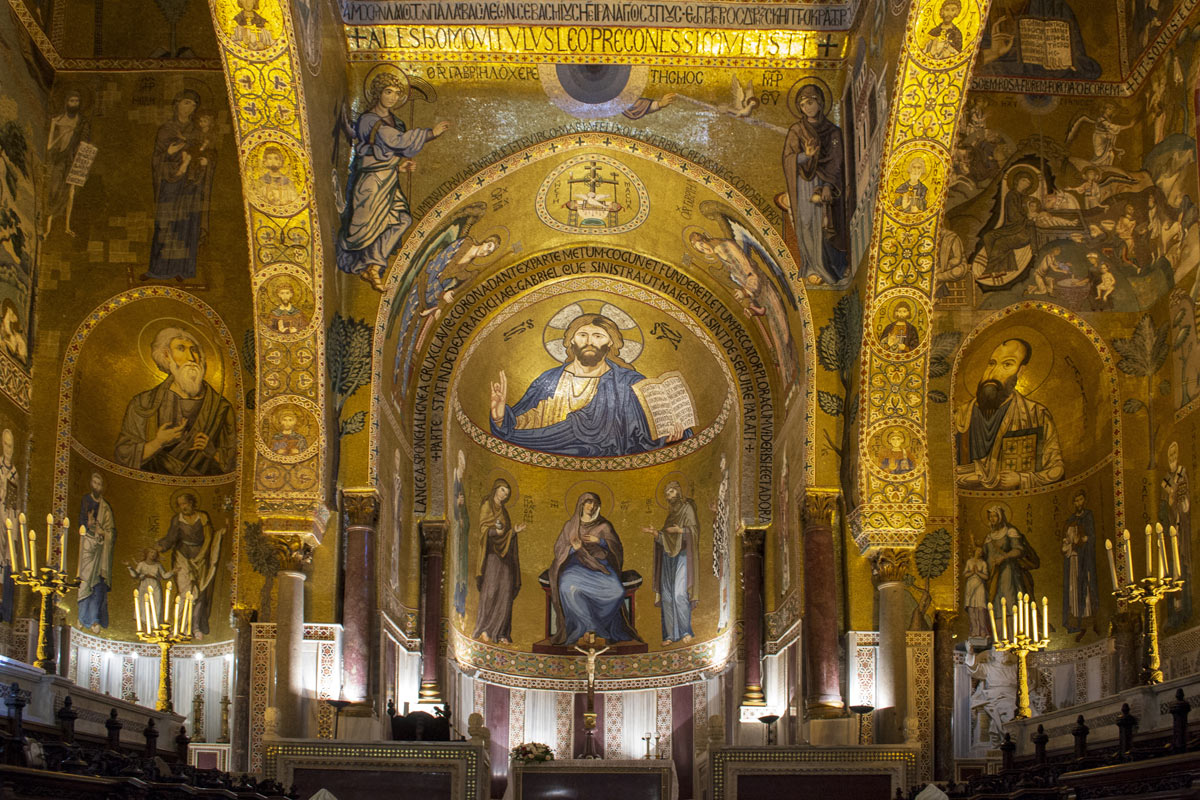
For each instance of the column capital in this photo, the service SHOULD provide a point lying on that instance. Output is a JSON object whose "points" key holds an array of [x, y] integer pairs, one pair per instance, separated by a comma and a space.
{"points": [[820, 507], [294, 552], [360, 508], [433, 537], [890, 565], [242, 615], [753, 539]]}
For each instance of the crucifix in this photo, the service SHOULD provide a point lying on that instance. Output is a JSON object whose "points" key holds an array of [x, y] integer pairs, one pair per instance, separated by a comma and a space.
{"points": [[589, 716]]}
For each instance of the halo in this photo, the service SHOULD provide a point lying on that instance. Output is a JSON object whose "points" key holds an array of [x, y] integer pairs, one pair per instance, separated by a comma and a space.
{"points": [[690, 246], [214, 362], [380, 69], [1017, 171], [514, 491], [886, 434], [992, 504], [809, 80], [203, 90], [504, 234], [631, 332], [660, 491], [1033, 374], [599, 488], [178, 493], [87, 98]]}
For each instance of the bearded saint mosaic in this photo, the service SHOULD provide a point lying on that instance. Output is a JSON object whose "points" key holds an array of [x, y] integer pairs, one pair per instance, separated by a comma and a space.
{"points": [[594, 403]]}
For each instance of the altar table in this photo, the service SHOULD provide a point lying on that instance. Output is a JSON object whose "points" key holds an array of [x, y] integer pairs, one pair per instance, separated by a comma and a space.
{"points": [[594, 779]]}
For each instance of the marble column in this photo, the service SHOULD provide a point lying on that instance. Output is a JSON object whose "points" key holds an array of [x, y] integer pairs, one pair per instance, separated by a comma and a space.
{"points": [[242, 654], [752, 614], [433, 546], [943, 694], [888, 568], [360, 514], [294, 555], [822, 663]]}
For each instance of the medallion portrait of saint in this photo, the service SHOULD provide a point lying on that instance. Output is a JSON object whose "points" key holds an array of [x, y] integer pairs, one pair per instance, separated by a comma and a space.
{"points": [[594, 403]]}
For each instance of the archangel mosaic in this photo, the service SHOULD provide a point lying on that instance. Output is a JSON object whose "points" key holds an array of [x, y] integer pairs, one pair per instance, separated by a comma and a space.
{"points": [[802, 395]]}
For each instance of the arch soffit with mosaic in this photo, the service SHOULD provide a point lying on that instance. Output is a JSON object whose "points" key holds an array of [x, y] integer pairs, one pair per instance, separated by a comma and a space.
{"points": [[930, 91]]}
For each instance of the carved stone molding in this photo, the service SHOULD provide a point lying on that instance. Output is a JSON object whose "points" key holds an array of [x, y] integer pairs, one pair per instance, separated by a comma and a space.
{"points": [[890, 565], [360, 508], [294, 552]]}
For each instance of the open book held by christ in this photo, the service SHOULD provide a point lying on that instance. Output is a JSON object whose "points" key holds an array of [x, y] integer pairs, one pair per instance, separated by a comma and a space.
{"points": [[666, 401]]}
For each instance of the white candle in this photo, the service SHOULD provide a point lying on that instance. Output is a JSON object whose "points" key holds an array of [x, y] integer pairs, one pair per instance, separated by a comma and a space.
{"points": [[137, 610], [167, 599], [1178, 571], [992, 617], [1112, 563], [12, 547], [1128, 558], [176, 627], [1149, 550], [1163, 570], [33, 552], [49, 540], [153, 608], [62, 547], [1033, 610], [1004, 616], [1045, 618], [188, 615], [1016, 623]]}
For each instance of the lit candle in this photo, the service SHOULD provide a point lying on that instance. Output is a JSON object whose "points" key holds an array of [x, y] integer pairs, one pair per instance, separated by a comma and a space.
{"points": [[153, 609], [1178, 571], [137, 610], [1004, 616], [1149, 550], [1025, 613], [12, 548], [992, 617], [1128, 557], [33, 551], [1045, 618], [1112, 563], [1016, 623]]}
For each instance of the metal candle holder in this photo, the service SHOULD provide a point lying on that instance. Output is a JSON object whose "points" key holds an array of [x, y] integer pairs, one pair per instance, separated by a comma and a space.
{"points": [[166, 632], [1150, 590], [46, 579], [1025, 640]]}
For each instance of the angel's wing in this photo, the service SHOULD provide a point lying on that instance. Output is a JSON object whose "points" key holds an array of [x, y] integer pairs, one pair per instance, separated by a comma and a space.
{"points": [[457, 228], [739, 94], [750, 245], [343, 126], [1076, 124]]}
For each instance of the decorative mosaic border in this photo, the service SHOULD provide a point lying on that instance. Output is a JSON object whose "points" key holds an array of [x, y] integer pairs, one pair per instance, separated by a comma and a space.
{"points": [[783, 624], [614, 723], [920, 661], [564, 724], [66, 399]]}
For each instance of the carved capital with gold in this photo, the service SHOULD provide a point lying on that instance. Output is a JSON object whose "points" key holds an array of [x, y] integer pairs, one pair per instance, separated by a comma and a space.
{"points": [[293, 551], [360, 508], [242, 616], [820, 507], [753, 538], [890, 565], [433, 537]]}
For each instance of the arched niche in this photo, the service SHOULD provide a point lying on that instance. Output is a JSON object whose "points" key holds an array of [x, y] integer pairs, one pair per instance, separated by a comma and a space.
{"points": [[1059, 438], [670, 200], [115, 394], [524, 337]]}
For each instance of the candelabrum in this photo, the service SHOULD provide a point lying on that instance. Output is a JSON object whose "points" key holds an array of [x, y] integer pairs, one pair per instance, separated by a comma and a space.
{"points": [[166, 631], [1027, 638], [1150, 590], [47, 579]]}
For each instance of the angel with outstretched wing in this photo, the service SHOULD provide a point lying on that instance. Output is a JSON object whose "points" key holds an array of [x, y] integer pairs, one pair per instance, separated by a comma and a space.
{"points": [[746, 265], [440, 265], [1105, 130]]}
